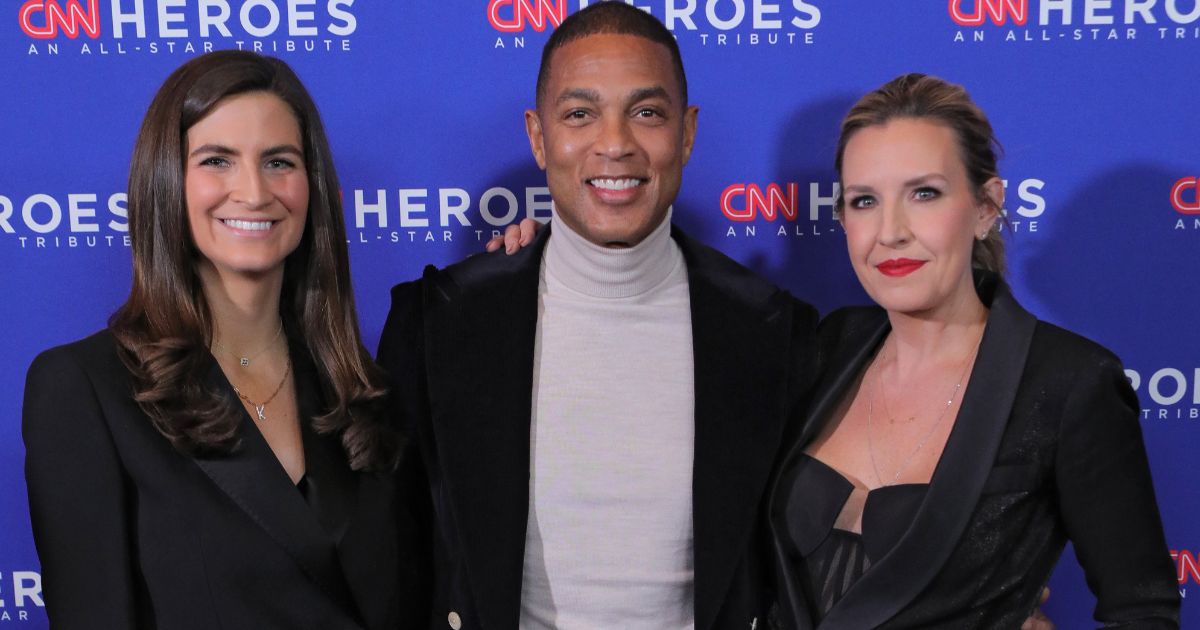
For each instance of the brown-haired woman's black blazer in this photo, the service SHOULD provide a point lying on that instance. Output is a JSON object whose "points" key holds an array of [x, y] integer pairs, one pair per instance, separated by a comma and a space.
{"points": [[133, 534]]}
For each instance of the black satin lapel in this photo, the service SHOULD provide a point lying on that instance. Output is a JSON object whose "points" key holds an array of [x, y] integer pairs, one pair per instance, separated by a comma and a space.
{"points": [[330, 480], [957, 482], [254, 480], [840, 372], [480, 325], [740, 351]]}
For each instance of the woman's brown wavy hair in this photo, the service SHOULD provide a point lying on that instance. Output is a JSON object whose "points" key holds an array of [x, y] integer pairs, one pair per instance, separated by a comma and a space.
{"points": [[164, 328], [922, 97]]}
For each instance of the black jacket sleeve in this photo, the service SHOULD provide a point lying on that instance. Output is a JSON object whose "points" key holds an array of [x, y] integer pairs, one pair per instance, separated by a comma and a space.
{"points": [[1107, 502], [78, 501]]}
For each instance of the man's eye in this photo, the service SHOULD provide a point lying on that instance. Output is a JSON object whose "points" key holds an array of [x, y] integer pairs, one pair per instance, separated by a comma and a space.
{"points": [[648, 112], [576, 114]]}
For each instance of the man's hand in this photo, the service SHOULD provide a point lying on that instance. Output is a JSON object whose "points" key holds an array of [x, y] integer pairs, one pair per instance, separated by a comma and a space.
{"points": [[515, 236], [1038, 620]]}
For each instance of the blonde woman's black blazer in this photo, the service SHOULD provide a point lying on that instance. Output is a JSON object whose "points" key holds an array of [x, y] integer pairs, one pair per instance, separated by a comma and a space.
{"points": [[1046, 447]]}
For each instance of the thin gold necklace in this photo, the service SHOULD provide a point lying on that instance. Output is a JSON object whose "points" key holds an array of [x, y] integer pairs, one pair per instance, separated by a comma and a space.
{"points": [[244, 361], [941, 416], [261, 408]]}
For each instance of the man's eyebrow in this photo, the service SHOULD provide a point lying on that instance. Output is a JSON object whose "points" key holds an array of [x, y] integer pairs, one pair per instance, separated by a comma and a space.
{"points": [[642, 94], [583, 94]]}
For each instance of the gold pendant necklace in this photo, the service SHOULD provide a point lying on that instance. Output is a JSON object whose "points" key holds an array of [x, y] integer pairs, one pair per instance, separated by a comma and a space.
{"points": [[871, 409], [261, 408], [244, 361]]}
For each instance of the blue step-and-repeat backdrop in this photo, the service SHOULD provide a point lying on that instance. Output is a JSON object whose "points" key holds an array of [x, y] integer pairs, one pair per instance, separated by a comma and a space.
{"points": [[1095, 102]]}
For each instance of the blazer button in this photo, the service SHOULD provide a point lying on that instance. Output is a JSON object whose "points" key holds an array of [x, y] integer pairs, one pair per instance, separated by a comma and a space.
{"points": [[454, 620]]}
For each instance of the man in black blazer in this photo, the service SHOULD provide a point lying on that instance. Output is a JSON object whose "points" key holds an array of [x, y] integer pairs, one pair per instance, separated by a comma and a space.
{"points": [[470, 350]]}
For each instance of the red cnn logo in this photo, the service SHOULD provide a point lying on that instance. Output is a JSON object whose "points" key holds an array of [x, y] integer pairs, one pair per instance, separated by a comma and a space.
{"points": [[770, 204], [1187, 566], [1183, 206], [71, 20], [998, 10], [511, 16]]}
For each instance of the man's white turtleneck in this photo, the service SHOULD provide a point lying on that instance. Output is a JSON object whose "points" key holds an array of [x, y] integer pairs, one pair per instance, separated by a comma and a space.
{"points": [[609, 538]]}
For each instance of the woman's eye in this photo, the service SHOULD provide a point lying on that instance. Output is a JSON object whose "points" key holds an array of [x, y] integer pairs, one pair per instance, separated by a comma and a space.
{"points": [[864, 201], [926, 193], [215, 160], [280, 163]]}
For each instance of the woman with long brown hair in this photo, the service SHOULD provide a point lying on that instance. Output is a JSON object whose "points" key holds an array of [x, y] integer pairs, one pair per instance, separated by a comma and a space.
{"points": [[954, 442], [218, 456]]}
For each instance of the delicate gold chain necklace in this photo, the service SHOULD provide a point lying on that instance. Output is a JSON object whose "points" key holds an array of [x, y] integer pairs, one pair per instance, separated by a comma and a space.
{"points": [[871, 409], [244, 361], [261, 408]]}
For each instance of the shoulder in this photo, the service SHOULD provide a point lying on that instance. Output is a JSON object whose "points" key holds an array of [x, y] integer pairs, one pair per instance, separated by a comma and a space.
{"points": [[85, 358], [69, 383], [733, 278], [1068, 351], [722, 270], [478, 272]]}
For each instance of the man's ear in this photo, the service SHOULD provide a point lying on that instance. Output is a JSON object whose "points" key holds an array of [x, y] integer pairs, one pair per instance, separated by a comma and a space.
{"points": [[689, 130], [533, 129]]}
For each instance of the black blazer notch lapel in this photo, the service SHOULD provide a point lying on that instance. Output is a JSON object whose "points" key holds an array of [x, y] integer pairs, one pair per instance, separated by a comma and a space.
{"points": [[842, 354], [480, 323], [255, 481], [741, 333]]}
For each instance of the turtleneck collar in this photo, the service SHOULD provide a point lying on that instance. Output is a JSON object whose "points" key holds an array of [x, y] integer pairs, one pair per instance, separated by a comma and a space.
{"points": [[604, 272]]}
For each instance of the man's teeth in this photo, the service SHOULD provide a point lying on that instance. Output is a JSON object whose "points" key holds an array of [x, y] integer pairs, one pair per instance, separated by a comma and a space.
{"points": [[238, 224], [615, 184]]}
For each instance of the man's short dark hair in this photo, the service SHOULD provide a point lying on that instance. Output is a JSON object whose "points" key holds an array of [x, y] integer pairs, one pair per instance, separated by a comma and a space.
{"points": [[610, 18]]}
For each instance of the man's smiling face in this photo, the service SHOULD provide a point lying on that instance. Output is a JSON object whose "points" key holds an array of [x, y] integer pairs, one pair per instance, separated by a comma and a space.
{"points": [[612, 134]]}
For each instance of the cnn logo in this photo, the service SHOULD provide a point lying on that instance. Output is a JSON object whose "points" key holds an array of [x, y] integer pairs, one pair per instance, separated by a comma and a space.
{"points": [[1186, 187], [998, 11], [512, 16], [43, 19]]}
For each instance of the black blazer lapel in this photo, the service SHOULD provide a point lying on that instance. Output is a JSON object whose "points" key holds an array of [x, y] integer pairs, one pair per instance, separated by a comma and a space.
{"points": [[958, 481], [480, 323], [254, 480], [741, 333], [356, 510], [841, 365]]}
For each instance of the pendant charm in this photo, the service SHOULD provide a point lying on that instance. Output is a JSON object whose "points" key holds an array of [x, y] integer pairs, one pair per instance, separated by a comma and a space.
{"points": [[244, 361], [261, 409]]}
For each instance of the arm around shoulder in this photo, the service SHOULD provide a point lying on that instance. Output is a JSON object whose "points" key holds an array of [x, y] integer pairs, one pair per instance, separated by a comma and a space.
{"points": [[1106, 497], [77, 498]]}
